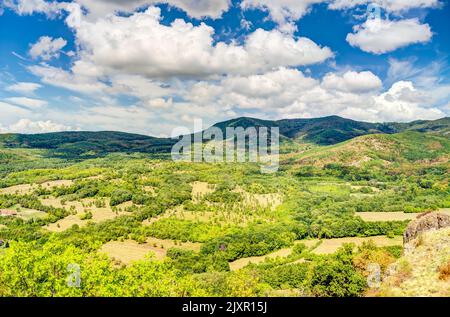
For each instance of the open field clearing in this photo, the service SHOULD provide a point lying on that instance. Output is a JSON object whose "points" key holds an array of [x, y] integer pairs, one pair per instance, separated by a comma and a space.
{"points": [[149, 189], [27, 214], [200, 189], [361, 195], [444, 211], [66, 223], [329, 188], [239, 264], [282, 253], [57, 203], [359, 187], [171, 213], [129, 251], [209, 216], [386, 216], [221, 215], [167, 244], [329, 246], [80, 208], [23, 213], [29, 188], [394, 216], [271, 201], [254, 207]]}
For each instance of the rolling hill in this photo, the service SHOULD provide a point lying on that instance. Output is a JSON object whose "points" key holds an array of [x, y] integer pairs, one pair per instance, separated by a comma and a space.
{"points": [[324, 131], [334, 129], [87, 144], [380, 149], [321, 131]]}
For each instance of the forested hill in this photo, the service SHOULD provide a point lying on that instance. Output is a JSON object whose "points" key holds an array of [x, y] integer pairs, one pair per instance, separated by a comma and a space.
{"points": [[334, 129], [320, 131], [88, 144]]}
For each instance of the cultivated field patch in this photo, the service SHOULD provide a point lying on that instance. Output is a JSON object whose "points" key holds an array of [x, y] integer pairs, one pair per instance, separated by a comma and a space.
{"points": [[329, 246], [271, 201], [167, 244], [27, 214], [130, 251], [80, 208], [29, 188], [386, 216], [200, 189], [282, 253], [394, 215]]}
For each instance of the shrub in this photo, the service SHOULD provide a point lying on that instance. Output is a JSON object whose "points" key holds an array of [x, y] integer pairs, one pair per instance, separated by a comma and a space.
{"points": [[444, 271]]}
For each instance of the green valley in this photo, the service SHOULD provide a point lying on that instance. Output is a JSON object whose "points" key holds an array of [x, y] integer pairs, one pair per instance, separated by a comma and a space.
{"points": [[136, 223]]}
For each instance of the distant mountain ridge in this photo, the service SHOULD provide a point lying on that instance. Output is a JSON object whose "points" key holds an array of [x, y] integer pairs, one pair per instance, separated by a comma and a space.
{"points": [[334, 129], [321, 131]]}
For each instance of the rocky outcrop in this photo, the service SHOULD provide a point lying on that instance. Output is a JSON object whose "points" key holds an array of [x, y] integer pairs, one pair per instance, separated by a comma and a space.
{"points": [[425, 222], [421, 272]]}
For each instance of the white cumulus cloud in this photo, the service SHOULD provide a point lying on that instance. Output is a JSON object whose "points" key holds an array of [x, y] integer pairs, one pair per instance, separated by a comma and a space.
{"points": [[284, 12], [352, 81], [395, 6], [47, 48], [194, 8], [381, 36], [141, 45], [29, 126], [28, 7]]}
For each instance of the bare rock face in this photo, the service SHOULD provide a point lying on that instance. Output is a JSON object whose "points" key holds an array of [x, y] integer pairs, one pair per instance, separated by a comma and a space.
{"points": [[425, 222]]}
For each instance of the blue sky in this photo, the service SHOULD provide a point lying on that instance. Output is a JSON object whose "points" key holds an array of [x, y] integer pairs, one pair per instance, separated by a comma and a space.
{"points": [[149, 66]]}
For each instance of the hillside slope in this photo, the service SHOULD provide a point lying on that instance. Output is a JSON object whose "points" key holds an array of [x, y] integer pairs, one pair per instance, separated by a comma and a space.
{"points": [[384, 149], [334, 129], [424, 269]]}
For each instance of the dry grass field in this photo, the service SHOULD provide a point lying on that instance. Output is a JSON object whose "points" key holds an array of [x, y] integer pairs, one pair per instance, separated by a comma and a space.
{"points": [[130, 251], [79, 208], [386, 216], [27, 214], [29, 188], [239, 264], [200, 189], [167, 244]]}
